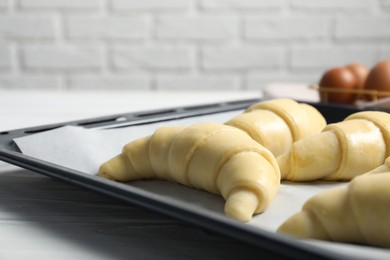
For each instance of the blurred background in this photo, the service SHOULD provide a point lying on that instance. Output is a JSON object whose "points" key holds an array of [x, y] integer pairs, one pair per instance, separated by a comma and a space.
{"points": [[185, 44]]}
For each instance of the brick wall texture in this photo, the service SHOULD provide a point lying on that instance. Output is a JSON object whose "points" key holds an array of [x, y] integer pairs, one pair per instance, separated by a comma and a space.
{"points": [[185, 44]]}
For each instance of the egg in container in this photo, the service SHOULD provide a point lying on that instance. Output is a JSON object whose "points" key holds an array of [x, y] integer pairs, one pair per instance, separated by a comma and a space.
{"points": [[355, 83]]}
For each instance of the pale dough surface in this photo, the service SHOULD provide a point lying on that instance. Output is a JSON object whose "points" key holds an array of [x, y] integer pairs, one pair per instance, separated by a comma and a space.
{"points": [[356, 213], [341, 151], [209, 156]]}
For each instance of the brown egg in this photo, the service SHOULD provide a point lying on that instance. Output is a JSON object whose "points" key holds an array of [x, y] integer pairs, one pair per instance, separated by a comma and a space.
{"points": [[338, 78], [360, 71], [379, 78]]}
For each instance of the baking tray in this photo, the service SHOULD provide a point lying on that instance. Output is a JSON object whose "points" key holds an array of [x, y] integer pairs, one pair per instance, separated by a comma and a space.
{"points": [[278, 244]]}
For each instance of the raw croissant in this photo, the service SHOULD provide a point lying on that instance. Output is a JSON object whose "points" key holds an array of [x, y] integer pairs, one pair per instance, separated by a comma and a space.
{"points": [[209, 156], [358, 212], [385, 167], [277, 123], [343, 150]]}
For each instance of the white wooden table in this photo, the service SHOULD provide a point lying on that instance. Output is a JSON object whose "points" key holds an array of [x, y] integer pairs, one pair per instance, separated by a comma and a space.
{"points": [[43, 218]]}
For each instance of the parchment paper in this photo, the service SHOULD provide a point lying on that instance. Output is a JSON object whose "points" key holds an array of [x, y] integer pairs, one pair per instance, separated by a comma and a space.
{"points": [[86, 149]]}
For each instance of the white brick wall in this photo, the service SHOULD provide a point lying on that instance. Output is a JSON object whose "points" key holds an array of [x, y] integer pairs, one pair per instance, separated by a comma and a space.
{"points": [[150, 5], [287, 29], [109, 82], [110, 29], [386, 4], [317, 57], [362, 28], [60, 59], [185, 44], [151, 58], [240, 4], [3, 4], [59, 4], [241, 58], [5, 58], [209, 28], [333, 5], [21, 27]]}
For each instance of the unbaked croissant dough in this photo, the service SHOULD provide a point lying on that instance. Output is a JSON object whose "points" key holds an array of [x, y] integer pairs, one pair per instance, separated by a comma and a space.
{"points": [[209, 156], [358, 212], [385, 167], [277, 123], [341, 151]]}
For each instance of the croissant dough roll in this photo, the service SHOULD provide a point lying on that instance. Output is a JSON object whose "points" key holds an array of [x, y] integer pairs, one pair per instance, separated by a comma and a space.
{"points": [[356, 213], [209, 156], [385, 167], [277, 123], [341, 151]]}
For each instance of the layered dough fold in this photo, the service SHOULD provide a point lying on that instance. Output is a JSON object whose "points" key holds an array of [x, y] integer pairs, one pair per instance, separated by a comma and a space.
{"points": [[355, 213], [208, 156], [278, 123], [341, 151]]}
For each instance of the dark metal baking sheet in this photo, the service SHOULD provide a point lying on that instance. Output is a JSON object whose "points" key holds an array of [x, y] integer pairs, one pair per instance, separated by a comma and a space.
{"points": [[280, 245]]}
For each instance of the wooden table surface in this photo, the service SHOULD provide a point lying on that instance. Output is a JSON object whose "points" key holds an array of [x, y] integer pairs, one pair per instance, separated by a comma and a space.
{"points": [[44, 218]]}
